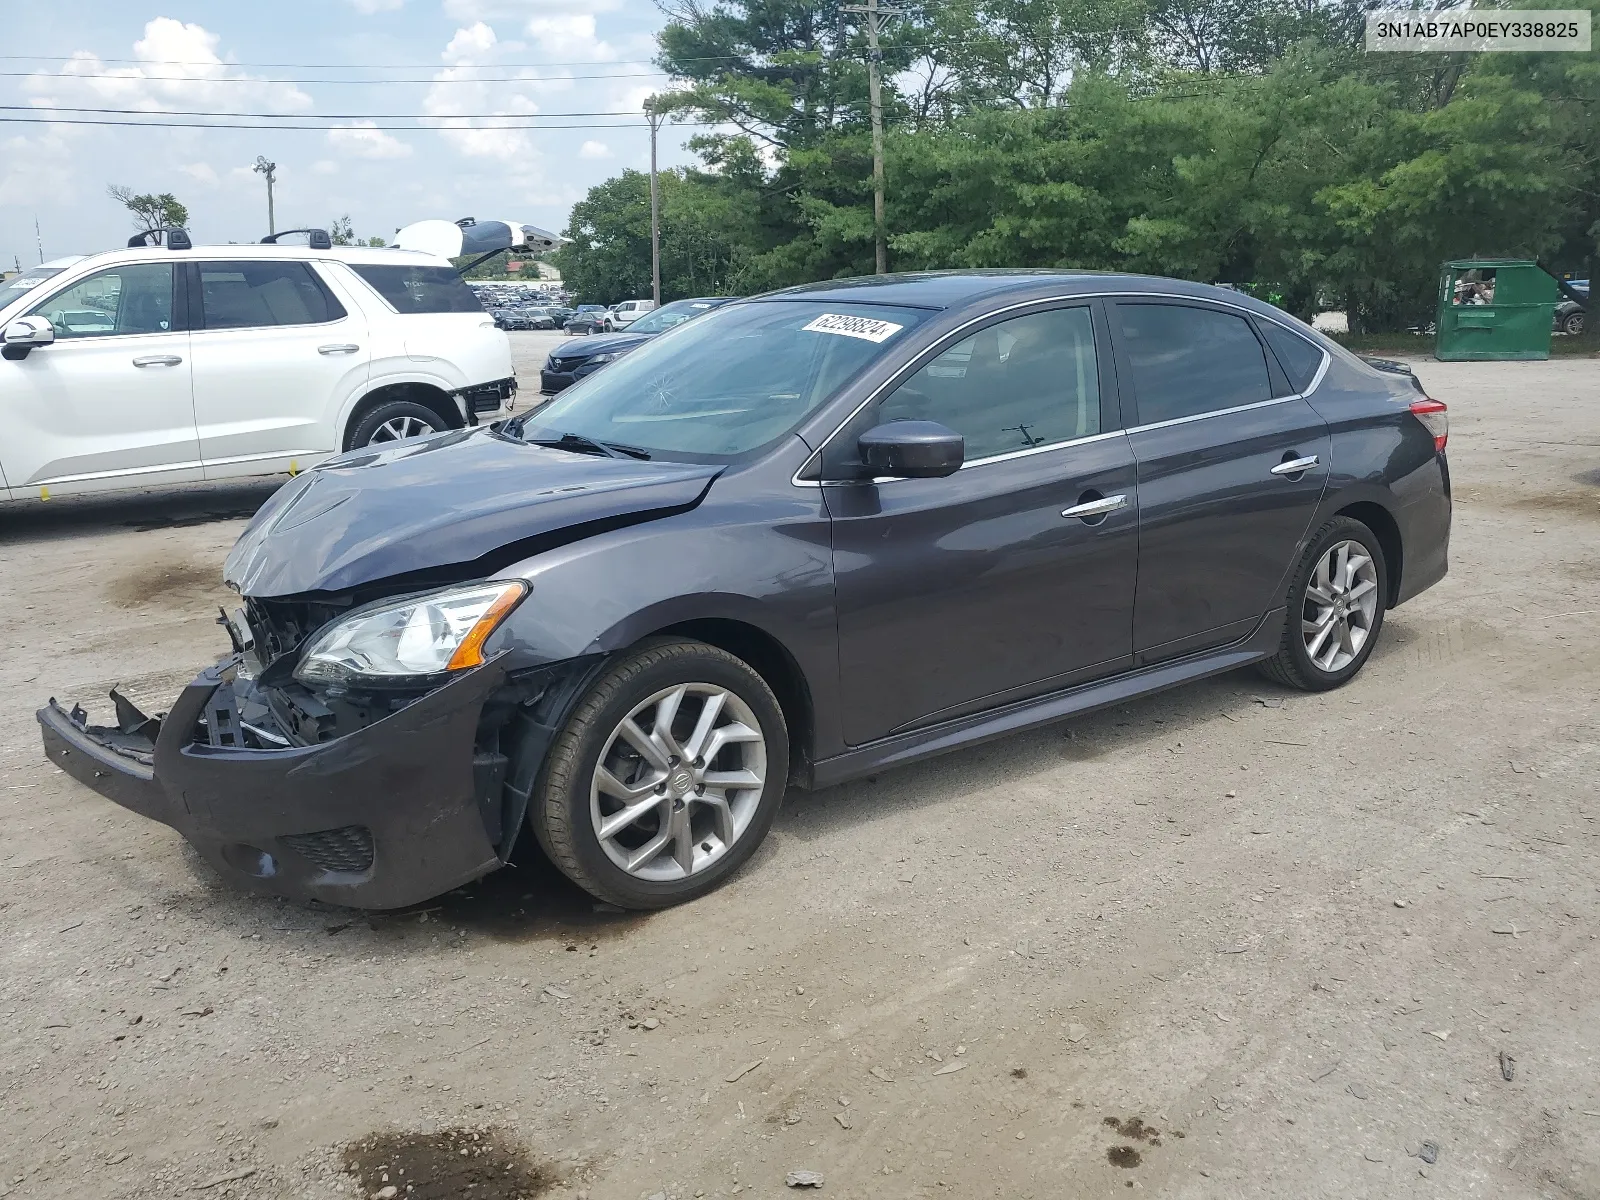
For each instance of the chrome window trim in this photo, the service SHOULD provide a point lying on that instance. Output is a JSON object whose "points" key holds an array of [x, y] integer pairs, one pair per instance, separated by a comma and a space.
{"points": [[905, 372]]}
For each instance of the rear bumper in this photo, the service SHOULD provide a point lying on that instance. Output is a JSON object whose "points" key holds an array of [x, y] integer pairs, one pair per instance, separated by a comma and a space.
{"points": [[389, 815]]}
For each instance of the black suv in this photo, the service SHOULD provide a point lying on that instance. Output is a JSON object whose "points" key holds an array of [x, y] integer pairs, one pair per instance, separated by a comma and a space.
{"points": [[803, 538]]}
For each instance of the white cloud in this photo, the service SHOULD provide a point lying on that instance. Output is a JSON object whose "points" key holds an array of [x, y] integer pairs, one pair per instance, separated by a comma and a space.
{"points": [[458, 90], [177, 68], [35, 170], [368, 7], [201, 172], [324, 166], [594, 150], [516, 10], [365, 140], [569, 36]]}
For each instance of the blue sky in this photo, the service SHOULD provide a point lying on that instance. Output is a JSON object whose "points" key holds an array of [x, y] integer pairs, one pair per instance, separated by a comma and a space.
{"points": [[207, 57]]}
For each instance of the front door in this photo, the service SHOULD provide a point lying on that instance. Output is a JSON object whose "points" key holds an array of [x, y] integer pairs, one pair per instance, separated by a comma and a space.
{"points": [[109, 403], [275, 354], [1231, 469], [961, 593]]}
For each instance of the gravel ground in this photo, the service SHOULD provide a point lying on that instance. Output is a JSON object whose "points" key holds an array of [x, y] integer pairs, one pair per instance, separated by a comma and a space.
{"points": [[1228, 941]]}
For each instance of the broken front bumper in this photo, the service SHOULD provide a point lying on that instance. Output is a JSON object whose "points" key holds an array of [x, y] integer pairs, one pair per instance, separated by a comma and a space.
{"points": [[386, 816]]}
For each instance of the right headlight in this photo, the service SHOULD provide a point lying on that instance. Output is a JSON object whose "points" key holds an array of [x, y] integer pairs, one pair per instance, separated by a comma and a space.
{"points": [[425, 635]]}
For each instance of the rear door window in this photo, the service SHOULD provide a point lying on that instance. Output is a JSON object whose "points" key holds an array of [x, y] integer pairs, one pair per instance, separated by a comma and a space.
{"points": [[418, 289], [1187, 361], [256, 295]]}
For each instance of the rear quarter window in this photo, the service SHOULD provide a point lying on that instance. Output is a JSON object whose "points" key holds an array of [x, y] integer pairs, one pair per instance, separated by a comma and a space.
{"points": [[1299, 358], [414, 289]]}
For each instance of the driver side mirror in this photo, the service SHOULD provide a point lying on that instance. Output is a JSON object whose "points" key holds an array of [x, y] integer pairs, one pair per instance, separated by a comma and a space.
{"points": [[23, 334], [912, 450]]}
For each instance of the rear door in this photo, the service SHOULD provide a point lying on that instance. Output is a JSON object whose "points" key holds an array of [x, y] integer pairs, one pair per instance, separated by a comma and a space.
{"points": [[109, 404], [275, 355], [1231, 466], [966, 592]]}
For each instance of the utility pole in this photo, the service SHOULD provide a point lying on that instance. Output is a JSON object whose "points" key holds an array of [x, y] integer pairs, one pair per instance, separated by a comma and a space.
{"points": [[877, 21], [652, 112], [268, 169], [38, 241]]}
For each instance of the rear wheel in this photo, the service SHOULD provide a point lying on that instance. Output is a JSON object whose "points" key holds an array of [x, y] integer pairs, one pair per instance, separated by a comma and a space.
{"points": [[666, 778], [1336, 607], [394, 420], [1573, 323]]}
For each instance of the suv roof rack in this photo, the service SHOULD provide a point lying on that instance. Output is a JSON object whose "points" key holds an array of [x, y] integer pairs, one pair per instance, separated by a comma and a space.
{"points": [[177, 238], [316, 239]]}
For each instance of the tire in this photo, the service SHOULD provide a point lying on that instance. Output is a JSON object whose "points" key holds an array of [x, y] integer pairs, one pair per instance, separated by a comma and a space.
{"points": [[1572, 323], [392, 418], [1308, 658], [716, 838]]}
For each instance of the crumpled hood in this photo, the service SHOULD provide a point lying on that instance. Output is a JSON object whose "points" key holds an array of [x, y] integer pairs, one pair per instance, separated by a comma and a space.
{"points": [[440, 502], [599, 343]]}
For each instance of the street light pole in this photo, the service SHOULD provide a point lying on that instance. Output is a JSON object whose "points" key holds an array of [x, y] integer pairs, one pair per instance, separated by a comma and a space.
{"points": [[877, 21], [653, 113], [266, 168]]}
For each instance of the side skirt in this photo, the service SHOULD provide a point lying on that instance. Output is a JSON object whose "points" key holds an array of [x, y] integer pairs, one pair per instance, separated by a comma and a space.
{"points": [[1261, 643]]}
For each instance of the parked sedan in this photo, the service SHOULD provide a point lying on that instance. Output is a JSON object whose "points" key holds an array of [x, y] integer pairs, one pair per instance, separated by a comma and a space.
{"points": [[1569, 314], [805, 538], [571, 361], [588, 318]]}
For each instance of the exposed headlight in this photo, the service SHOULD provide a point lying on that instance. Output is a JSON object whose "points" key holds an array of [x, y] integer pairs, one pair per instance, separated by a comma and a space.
{"points": [[596, 359], [425, 635]]}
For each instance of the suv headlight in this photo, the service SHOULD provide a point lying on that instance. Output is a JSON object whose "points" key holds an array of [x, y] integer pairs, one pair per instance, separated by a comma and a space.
{"points": [[425, 635]]}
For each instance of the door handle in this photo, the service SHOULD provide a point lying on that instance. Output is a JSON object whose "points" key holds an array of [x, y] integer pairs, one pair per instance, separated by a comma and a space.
{"points": [[341, 348], [1295, 466], [1096, 508], [158, 360]]}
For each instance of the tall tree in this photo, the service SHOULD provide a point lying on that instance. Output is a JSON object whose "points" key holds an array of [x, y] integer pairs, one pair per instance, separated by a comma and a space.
{"points": [[150, 212]]}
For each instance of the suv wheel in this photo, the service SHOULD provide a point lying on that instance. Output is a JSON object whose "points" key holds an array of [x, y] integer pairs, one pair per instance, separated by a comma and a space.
{"points": [[1573, 323], [666, 778], [393, 420], [1336, 606]]}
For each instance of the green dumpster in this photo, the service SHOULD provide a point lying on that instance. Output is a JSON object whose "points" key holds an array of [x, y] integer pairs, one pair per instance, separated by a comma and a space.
{"points": [[1494, 308]]}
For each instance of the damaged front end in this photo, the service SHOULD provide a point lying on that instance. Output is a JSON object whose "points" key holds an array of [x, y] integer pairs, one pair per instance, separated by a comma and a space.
{"points": [[362, 796]]}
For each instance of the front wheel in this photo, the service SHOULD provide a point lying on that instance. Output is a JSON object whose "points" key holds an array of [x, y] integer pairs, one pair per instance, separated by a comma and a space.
{"points": [[666, 778], [1573, 323], [1336, 606]]}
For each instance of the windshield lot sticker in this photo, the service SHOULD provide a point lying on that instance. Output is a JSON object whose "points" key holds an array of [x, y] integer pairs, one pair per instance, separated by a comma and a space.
{"points": [[865, 328]]}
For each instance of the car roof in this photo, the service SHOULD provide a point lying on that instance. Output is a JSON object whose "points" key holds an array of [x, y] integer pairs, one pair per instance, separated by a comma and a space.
{"points": [[957, 289], [355, 255]]}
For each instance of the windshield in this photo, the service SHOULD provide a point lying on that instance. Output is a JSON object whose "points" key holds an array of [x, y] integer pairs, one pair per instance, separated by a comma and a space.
{"points": [[672, 314], [18, 285], [734, 380]]}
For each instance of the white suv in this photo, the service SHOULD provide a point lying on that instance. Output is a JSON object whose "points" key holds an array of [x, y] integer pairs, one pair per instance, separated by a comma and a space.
{"points": [[622, 315], [150, 366]]}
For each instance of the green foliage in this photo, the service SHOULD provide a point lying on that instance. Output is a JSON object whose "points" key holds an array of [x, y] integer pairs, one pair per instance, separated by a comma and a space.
{"points": [[1250, 142]]}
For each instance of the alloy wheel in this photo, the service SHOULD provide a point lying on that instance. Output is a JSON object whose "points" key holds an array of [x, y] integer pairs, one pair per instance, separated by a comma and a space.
{"points": [[1341, 606], [397, 428], [678, 782]]}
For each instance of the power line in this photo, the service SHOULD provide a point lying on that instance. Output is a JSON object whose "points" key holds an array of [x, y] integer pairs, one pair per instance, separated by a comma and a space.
{"points": [[185, 112], [71, 75], [293, 66], [329, 128]]}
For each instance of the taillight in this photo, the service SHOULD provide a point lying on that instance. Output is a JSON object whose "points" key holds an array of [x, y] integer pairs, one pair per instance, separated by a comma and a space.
{"points": [[1436, 417]]}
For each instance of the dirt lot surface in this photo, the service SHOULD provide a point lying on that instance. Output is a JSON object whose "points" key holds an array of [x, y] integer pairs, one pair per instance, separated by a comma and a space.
{"points": [[1229, 941]]}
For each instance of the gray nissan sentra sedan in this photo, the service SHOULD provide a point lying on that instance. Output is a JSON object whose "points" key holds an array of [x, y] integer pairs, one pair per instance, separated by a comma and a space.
{"points": [[802, 538]]}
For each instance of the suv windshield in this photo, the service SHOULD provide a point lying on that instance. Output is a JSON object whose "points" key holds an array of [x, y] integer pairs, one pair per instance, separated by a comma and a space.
{"points": [[667, 316], [727, 383], [19, 285]]}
